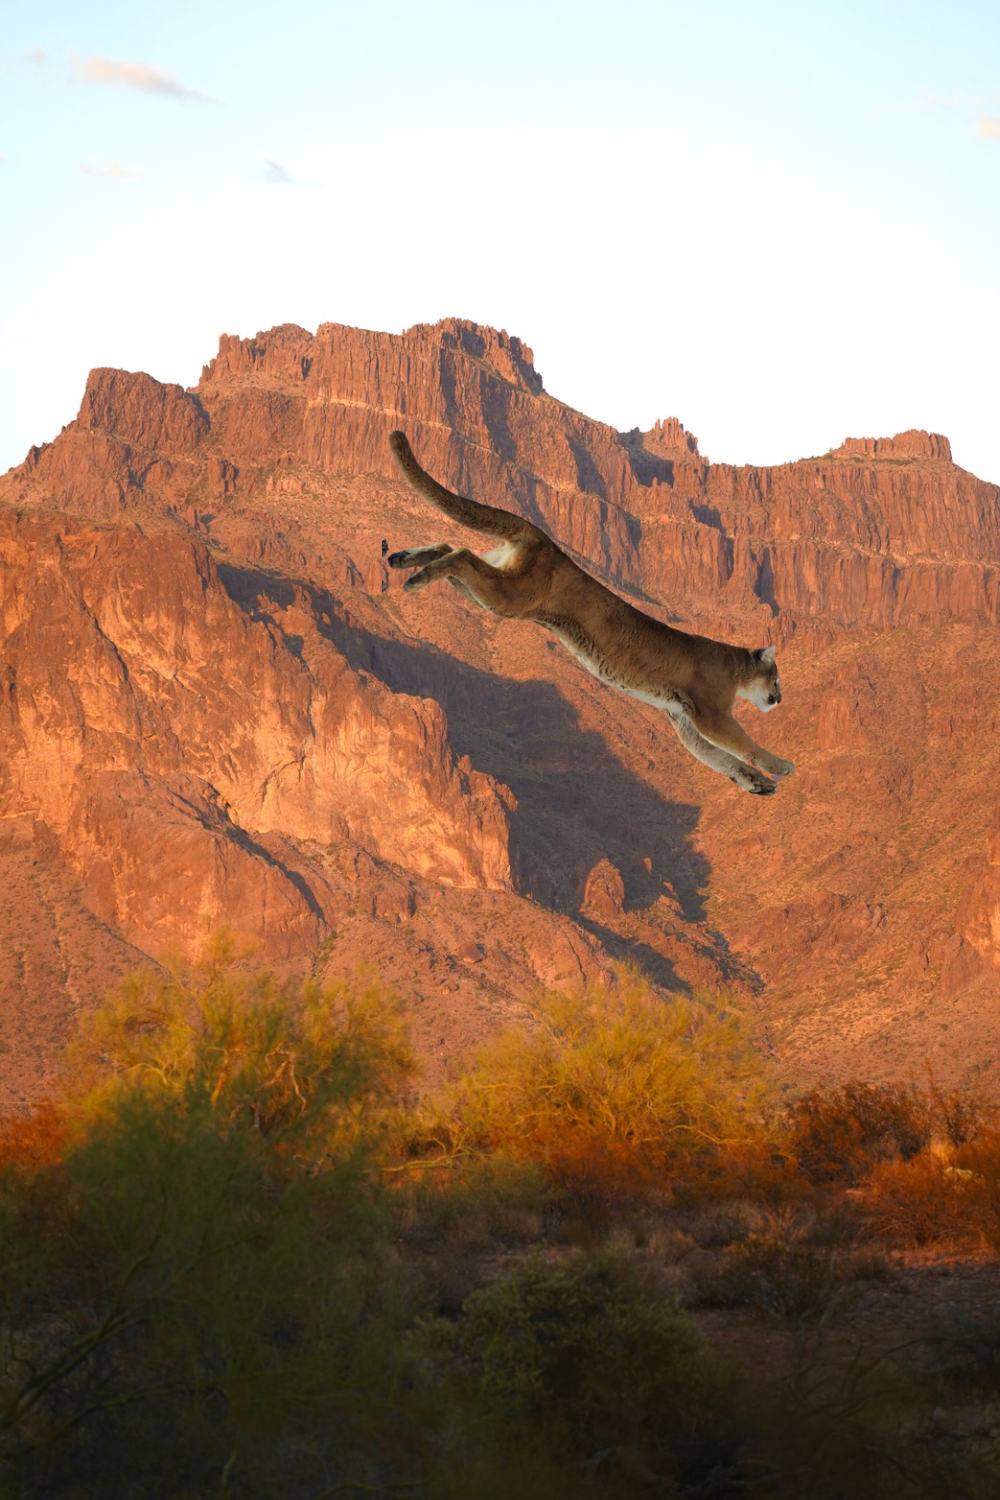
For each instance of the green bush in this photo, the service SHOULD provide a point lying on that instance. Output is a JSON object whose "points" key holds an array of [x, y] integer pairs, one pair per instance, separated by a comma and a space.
{"points": [[581, 1353], [204, 1313]]}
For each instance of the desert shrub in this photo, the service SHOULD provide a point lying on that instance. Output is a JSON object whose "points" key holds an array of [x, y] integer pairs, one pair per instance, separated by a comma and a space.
{"points": [[611, 1092], [480, 1203], [715, 1225], [944, 1195], [581, 1353], [202, 1311], [277, 1059], [450, 1225], [963, 1349], [959, 1116], [837, 1134], [791, 1276], [976, 1176], [919, 1201]]}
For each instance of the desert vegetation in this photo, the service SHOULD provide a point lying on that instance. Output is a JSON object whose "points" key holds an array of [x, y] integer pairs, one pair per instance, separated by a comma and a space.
{"points": [[241, 1255]]}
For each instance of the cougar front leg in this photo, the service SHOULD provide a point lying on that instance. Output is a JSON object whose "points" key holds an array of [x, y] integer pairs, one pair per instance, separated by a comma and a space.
{"points": [[738, 772], [723, 730], [416, 557]]}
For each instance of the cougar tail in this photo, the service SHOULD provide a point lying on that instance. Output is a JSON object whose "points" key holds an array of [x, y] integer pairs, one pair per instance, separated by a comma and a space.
{"points": [[469, 513]]}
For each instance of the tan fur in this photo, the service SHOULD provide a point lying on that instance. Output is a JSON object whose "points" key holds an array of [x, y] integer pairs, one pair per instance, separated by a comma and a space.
{"points": [[695, 680]]}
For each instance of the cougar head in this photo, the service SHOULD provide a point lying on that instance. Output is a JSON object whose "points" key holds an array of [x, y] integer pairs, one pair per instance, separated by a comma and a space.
{"points": [[764, 687]]}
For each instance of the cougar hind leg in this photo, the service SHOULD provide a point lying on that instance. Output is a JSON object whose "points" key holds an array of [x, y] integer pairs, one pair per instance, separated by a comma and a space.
{"points": [[419, 557], [493, 588], [416, 557]]}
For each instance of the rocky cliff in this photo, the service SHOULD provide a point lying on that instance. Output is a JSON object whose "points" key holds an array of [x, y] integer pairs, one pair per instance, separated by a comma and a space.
{"points": [[147, 719], [208, 671]]}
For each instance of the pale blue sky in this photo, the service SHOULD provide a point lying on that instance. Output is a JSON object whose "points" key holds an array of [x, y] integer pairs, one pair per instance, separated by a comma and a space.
{"points": [[777, 221]]}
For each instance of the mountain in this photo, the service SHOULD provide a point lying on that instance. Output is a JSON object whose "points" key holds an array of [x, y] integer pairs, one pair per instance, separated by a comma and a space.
{"points": [[217, 704]]}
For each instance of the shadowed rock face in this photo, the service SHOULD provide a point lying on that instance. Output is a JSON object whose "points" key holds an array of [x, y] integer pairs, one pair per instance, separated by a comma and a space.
{"points": [[215, 702]]}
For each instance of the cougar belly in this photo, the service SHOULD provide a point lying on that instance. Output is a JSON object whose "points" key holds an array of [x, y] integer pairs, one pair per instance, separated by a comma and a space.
{"points": [[594, 661]]}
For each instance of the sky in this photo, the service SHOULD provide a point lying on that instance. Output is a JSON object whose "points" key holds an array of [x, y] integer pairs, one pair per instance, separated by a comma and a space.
{"points": [[776, 220]]}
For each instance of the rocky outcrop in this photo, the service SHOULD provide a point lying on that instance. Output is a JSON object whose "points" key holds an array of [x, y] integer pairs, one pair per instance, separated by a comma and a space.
{"points": [[913, 444], [152, 724], [978, 917], [668, 437], [604, 892], [139, 410], [134, 442]]}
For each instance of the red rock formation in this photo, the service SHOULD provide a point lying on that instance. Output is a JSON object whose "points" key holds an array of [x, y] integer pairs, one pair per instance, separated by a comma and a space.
{"points": [[669, 437], [604, 893], [138, 409]]}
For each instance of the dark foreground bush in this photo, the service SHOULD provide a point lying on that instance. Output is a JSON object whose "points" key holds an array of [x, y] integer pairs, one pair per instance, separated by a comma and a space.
{"points": [[584, 1358], [190, 1273], [236, 1263]]}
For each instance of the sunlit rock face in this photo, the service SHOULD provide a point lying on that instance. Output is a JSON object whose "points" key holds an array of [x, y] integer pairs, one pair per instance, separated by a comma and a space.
{"points": [[154, 725]]}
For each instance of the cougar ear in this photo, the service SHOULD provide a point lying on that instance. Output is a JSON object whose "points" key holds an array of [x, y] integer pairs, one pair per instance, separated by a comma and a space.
{"points": [[766, 655]]}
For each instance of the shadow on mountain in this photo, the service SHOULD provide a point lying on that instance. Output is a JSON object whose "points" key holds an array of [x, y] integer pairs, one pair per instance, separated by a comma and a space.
{"points": [[656, 966], [578, 803]]}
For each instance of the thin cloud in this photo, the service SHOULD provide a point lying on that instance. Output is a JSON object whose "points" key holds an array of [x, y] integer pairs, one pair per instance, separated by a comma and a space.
{"points": [[275, 174], [114, 170], [930, 102], [36, 55], [133, 75]]}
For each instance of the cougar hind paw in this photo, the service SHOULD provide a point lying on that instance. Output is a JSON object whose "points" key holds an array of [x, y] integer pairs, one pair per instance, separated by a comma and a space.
{"points": [[418, 581], [417, 557], [752, 781]]}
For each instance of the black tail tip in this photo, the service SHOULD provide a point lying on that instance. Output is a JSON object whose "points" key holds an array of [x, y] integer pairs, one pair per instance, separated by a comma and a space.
{"points": [[398, 443]]}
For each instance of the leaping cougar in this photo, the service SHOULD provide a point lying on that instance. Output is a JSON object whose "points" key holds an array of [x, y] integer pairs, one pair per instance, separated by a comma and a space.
{"points": [[527, 577]]}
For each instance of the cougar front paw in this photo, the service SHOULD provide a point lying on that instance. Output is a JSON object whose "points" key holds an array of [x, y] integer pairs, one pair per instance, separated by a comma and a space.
{"points": [[779, 768]]}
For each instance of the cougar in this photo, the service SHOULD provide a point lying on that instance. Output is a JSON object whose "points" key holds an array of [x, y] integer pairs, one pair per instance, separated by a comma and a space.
{"points": [[527, 577]]}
